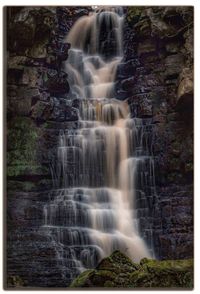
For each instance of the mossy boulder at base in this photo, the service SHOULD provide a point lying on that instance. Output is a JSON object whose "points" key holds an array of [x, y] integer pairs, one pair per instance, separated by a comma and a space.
{"points": [[119, 271]]}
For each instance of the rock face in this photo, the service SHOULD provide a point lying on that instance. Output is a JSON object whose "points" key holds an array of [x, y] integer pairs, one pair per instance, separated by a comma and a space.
{"points": [[156, 78], [38, 107], [118, 271]]}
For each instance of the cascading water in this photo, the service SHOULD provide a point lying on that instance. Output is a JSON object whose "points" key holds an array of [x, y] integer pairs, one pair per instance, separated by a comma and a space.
{"points": [[105, 165]]}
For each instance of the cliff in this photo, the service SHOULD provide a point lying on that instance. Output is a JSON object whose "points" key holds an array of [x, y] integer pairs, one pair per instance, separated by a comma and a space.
{"points": [[156, 78]]}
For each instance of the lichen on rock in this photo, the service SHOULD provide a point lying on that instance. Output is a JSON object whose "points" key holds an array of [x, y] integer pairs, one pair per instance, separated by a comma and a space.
{"points": [[118, 271]]}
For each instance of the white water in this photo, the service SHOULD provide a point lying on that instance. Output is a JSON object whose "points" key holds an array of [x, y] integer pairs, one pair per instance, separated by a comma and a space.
{"points": [[94, 211]]}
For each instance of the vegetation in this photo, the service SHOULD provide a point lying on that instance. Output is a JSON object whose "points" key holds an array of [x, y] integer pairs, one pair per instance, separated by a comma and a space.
{"points": [[119, 271]]}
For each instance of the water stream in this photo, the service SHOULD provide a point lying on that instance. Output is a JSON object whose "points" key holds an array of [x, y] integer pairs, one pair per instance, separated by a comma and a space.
{"points": [[104, 176]]}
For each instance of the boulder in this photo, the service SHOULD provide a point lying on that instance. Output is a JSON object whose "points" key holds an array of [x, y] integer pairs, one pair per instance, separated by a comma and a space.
{"points": [[118, 271]]}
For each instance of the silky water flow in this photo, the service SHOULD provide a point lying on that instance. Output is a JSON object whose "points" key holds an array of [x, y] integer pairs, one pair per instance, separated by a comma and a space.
{"points": [[105, 168]]}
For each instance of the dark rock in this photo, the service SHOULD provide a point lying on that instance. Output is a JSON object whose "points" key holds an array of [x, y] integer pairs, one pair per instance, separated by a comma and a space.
{"points": [[174, 64], [41, 110], [173, 47], [124, 70], [66, 113], [147, 46], [185, 90], [28, 25], [118, 271], [57, 53], [143, 27], [57, 84]]}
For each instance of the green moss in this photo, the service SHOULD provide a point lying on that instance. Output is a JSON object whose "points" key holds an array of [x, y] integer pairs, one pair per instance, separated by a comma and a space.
{"points": [[22, 142], [189, 167], [22, 134], [15, 281], [100, 277], [167, 273], [21, 186], [117, 262], [148, 274], [109, 284], [134, 14], [26, 169], [80, 281]]}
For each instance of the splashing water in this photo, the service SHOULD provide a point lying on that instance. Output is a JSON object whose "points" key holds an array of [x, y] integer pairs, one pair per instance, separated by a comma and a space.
{"points": [[93, 210]]}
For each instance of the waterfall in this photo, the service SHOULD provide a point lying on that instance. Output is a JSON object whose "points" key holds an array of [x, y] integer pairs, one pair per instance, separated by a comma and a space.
{"points": [[105, 166]]}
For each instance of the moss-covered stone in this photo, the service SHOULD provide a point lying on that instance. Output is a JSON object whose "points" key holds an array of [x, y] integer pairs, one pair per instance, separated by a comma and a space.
{"points": [[24, 186], [162, 274], [22, 146], [81, 280], [15, 281], [118, 271], [134, 13]]}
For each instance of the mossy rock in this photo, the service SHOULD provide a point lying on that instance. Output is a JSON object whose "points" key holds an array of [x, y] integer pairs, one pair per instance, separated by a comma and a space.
{"points": [[117, 263], [134, 14], [81, 280], [164, 274], [26, 170], [22, 142], [14, 281], [24, 186], [118, 271]]}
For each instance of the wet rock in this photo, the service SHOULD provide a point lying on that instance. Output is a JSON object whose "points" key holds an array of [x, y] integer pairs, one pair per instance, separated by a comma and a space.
{"points": [[145, 109], [125, 69], [159, 118], [57, 84], [128, 84], [65, 113], [53, 110], [118, 271], [57, 53]]}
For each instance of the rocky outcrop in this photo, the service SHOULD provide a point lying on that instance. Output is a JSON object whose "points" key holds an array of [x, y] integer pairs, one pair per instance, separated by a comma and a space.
{"points": [[118, 271], [156, 78], [38, 107]]}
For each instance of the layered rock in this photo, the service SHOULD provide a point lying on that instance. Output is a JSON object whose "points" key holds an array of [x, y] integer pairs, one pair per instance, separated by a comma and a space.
{"points": [[38, 106], [156, 78]]}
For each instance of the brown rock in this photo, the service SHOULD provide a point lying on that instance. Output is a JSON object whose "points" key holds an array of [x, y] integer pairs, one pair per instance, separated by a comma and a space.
{"points": [[185, 88], [147, 46], [174, 64]]}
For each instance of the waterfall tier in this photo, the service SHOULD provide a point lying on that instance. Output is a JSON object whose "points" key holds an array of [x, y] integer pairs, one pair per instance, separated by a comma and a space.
{"points": [[104, 176]]}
